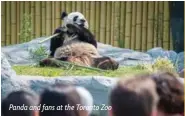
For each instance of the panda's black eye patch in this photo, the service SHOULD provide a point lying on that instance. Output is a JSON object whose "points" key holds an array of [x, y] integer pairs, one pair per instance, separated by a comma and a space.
{"points": [[75, 18]]}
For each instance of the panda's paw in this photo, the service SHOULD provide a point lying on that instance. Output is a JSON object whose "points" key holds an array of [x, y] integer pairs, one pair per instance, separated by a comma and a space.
{"points": [[106, 63], [51, 62]]}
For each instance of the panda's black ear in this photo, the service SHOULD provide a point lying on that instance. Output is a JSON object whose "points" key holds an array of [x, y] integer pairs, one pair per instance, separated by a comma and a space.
{"points": [[64, 14]]}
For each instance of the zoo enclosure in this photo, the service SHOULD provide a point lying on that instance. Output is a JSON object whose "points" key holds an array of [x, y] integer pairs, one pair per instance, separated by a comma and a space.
{"points": [[135, 25]]}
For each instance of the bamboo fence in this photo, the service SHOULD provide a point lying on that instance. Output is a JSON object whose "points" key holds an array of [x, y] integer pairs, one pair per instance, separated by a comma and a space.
{"points": [[127, 24]]}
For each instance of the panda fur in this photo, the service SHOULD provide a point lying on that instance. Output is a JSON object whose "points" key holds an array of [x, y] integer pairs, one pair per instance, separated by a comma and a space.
{"points": [[77, 51], [77, 44], [71, 18]]}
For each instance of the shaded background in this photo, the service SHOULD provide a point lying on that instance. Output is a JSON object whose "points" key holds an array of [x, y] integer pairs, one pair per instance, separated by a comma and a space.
{"points": [[135, 25]]}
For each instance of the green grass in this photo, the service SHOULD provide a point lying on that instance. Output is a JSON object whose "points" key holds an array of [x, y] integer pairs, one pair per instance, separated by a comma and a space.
{"points": [[53, 72]]}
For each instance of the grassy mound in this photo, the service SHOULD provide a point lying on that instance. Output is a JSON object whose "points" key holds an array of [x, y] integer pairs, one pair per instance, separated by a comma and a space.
{"points": [[52, 72], [160, 64]]}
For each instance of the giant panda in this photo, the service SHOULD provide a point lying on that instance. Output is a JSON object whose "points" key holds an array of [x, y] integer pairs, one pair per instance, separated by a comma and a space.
{"points": [[71, 18], [78, 45]]}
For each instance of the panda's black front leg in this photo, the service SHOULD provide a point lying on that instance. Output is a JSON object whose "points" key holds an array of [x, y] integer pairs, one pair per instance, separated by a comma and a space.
{"points": [[84, 34], [56, 41]]}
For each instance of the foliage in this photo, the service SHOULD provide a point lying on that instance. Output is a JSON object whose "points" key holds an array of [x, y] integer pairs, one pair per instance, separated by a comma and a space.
{"points": [[26, 28], [38, 54], [160, 64]]}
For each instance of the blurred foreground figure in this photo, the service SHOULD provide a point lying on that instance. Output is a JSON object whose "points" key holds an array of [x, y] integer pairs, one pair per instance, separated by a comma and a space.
{"points": [[171, 94], [20, 103], [134, 96], [64, 100]]}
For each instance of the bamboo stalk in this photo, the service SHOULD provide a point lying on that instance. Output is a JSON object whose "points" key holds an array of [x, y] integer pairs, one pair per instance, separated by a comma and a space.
{"points": [[128, 23], [97, 32], [133, 30], [18, 21], [13, 23], [108, 22], [150, 25], [37, 19], [43, 18], [92, 16], [112, 23], [87, 11], [155, 23], [79, 6], [161, 32], [83, 8], [166, 26], [68, 6], [116, 25], [50, 37], [8, 30], [102, 21], [122, 23], [61, 63], [33, 17], [73, 6], [53, 15], [144, 26], [57, 14], [3, 28], [48, 18], [27, 7], [138, 26]]}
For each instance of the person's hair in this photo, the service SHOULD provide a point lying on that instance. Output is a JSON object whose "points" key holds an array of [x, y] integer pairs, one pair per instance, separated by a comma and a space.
{"points": [[56, 96], [18, 99], [170, 91], [134, 96]]}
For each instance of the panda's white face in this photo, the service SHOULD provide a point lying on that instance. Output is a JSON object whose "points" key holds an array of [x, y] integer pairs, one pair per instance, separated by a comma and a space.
{"points": [[76, 18]]}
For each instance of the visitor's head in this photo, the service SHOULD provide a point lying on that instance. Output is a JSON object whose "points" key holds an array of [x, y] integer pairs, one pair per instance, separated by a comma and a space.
{"points": [[134, 96], [171, 94], [65, 95], [20, 103]]}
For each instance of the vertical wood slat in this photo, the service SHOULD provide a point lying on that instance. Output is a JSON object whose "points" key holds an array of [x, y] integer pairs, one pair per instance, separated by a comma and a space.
{"points": [[33, 17], [122, 24], [128, 23], [133, 25], [13, 23], [161, 14], [108, 22], [97, 32], [138, 26], [18, 21], [166, 26], [43, 18], [8, 30], [102, 21], [87, 11], [46, 17], [3, 28], [144, 26], [156, 34], [53, 15], [37, 19], [116, 24], [92, 17], [150, 25], [57, 14], [112, 23]]}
